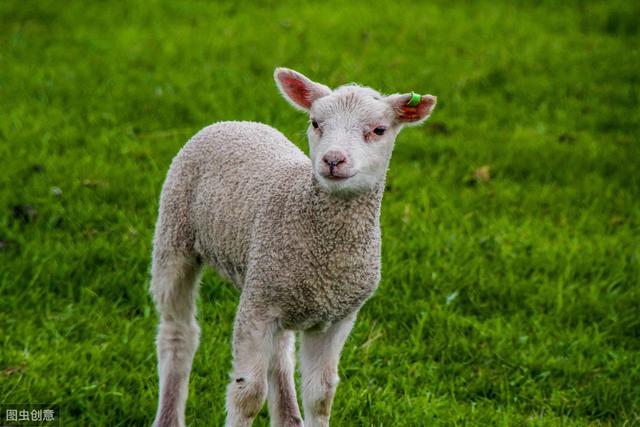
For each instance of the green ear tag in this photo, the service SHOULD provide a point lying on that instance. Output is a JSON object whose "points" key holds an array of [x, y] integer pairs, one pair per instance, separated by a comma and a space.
{"points": [[414, 100]]}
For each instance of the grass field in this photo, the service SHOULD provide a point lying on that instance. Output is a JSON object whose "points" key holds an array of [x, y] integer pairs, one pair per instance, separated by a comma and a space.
{"points": [[509, 299]]}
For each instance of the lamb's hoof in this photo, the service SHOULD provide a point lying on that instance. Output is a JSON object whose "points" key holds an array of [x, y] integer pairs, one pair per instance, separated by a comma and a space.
{"points": [[164, 422], [293, 422]]}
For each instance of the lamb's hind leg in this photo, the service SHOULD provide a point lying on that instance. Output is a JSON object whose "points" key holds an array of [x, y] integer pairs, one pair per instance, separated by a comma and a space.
{"points": [[283, 404], [174, 288]]}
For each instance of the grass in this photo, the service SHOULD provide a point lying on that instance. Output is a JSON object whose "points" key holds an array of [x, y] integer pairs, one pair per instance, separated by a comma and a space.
{"points": [[508, 301]]}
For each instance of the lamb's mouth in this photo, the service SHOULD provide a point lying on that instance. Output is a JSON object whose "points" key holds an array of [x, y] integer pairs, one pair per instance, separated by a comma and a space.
{"points": [[337, 178]]}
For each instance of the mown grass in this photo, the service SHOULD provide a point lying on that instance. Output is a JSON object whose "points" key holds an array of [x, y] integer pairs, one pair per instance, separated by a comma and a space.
{"points": [[509, 301]]}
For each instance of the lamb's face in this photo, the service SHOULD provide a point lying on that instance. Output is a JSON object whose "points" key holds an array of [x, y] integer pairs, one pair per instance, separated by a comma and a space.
{"points": [[351, 135], [352, 129]]}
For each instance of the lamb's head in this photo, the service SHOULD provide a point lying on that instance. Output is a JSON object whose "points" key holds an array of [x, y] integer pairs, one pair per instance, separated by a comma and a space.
{"points": [[352, 129]]}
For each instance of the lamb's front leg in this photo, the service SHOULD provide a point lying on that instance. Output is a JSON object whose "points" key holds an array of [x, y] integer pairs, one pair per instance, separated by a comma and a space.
{"points": [[253, 343], [283, 404], [319, 357]]}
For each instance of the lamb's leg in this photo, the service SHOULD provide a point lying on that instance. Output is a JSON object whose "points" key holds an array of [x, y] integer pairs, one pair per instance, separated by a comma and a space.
{"points": [[174, 288], [253, 342], [283, 404], [319, 357]]}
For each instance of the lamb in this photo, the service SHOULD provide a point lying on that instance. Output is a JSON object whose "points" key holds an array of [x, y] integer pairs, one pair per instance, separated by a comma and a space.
{"points": [[298, 236]]}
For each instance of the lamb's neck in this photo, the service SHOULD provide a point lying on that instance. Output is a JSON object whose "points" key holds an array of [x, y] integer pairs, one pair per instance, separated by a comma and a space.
{"points": [[345, 219]]}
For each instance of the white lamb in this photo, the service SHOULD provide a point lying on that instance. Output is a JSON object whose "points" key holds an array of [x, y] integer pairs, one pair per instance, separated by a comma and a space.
{"points": [[299, 236]]}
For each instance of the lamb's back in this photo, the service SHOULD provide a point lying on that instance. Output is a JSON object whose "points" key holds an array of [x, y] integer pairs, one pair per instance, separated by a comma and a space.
{"points": [[232, 169]]}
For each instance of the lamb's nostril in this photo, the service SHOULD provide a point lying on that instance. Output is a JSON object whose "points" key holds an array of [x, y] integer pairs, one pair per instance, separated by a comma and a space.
{"points": [[334, 158]]}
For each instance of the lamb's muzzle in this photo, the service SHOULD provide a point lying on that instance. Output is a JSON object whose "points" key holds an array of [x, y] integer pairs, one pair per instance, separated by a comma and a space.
{"points": [[336, 165], [301, 241]]}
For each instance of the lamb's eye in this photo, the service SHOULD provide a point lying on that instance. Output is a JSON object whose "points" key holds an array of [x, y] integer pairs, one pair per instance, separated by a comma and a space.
{"points": [[379, 130], [314, 124]]}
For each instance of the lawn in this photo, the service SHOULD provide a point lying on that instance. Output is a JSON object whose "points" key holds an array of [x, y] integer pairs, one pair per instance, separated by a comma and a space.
{"points": [[510, 292]]}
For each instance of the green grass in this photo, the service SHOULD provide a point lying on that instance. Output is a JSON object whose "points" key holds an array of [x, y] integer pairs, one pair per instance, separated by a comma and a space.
{"points": [[508, 302]]}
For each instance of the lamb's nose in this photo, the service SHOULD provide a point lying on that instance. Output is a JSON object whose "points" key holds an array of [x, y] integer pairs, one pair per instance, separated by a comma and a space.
{"points": [[333, 159]]}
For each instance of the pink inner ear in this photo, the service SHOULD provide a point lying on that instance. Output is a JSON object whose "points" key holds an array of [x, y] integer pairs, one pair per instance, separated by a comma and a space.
{"points": [[296, 89], [419, 112]]}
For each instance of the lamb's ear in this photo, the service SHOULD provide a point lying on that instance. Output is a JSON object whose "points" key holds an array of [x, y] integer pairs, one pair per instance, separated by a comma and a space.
{"points": [[412, 109], [298, 89]]}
